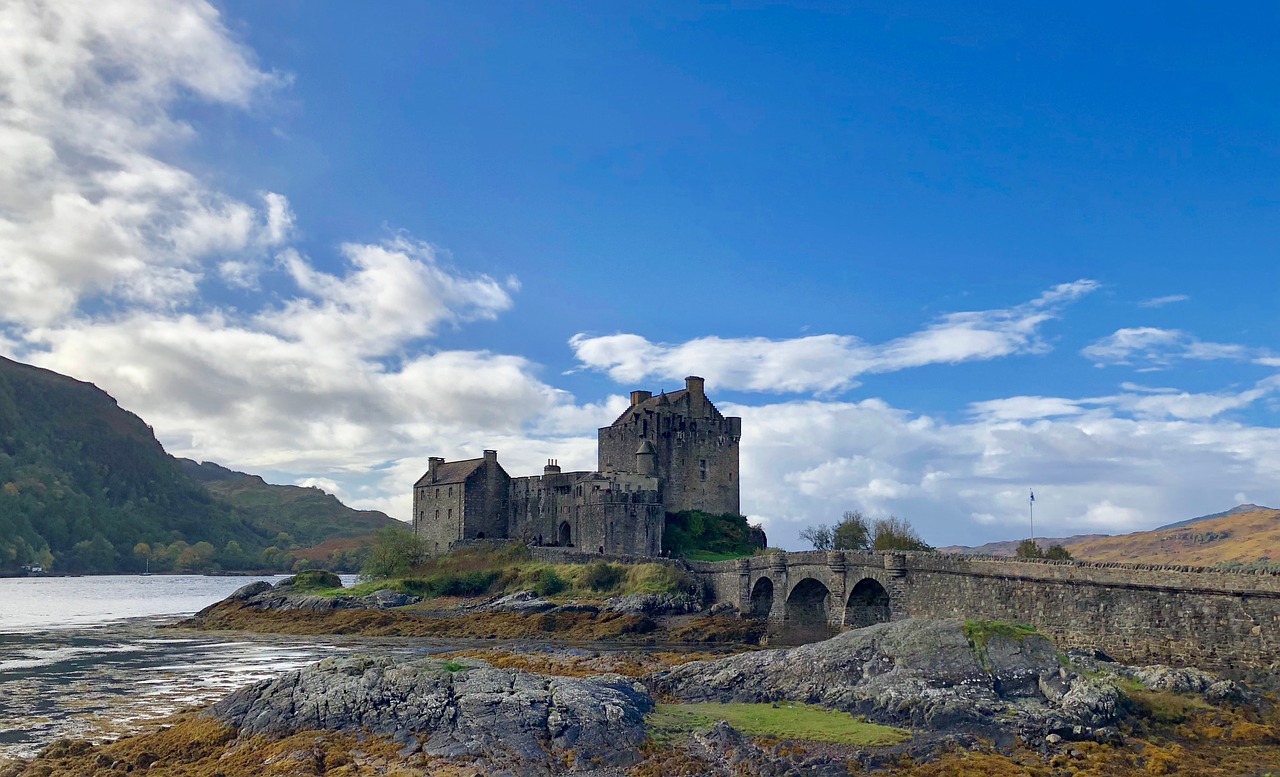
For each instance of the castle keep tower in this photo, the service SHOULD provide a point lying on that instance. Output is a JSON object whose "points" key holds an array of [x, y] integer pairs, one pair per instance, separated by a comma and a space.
{"points": [[667, 453], [695, 448]]}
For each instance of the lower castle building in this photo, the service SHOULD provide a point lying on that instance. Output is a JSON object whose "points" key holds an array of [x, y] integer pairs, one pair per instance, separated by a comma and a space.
{"points": [[665, 453]]}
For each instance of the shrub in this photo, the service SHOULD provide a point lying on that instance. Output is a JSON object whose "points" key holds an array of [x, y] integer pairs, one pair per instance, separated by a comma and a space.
{"points": [[602, 576], [694, 530], [548, 583]]}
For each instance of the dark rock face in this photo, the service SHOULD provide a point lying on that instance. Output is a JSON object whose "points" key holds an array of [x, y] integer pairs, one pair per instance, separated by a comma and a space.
{"points": [[531, 724], [913, 672], [653, 604]]}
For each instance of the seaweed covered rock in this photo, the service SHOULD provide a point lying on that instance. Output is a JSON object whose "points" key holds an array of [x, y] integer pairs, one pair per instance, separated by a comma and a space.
{"points": [[495, 717]]}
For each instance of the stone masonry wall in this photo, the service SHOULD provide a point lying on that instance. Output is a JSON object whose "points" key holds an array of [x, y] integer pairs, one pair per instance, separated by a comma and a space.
{"points": [[1138, 613]]}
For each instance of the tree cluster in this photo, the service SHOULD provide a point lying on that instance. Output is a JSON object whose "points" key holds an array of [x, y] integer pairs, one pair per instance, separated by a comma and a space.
{"points": [[1032, 549], [856, 532]]}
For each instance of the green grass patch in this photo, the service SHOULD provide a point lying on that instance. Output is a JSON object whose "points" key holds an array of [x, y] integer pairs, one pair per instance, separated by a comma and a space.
{"points": [[711, 555], [316, 580], [672, 722], [453, 667]]}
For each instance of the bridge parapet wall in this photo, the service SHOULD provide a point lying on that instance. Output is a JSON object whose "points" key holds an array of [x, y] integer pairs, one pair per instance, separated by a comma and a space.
{"points": [[1134, 612]]}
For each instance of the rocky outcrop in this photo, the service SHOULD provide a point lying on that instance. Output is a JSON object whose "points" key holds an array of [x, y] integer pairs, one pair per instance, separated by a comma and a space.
{"points": [[525, 602], [920, 673], [526, 723], [282, 597], [653, 605]]}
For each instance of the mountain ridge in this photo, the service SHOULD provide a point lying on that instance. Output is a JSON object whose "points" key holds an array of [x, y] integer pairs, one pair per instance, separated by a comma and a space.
{"points": [[86, 487]]}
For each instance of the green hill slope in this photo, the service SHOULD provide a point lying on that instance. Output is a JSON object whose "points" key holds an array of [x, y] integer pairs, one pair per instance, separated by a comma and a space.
{"points": [[308, 515], [85, 487]]}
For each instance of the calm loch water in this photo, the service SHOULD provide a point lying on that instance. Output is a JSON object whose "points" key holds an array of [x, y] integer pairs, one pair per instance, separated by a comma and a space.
{"points": [[83, 656]]}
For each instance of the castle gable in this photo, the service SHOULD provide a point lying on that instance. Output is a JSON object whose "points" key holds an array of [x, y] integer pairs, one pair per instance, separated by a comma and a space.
{"points": [[450, 472]]}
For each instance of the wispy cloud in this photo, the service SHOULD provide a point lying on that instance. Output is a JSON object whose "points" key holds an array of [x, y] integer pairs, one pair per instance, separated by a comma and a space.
{"points": [[1152, 349], [829, 362], [1157, 302]]}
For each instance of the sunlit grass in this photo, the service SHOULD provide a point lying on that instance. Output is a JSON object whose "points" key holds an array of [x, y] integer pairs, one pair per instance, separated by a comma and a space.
{"points": [[669, 722]]}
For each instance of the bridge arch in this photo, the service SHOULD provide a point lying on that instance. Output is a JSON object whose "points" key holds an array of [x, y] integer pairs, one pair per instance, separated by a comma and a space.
{"points": [[808, 610], [868, 604], [762, 598]]}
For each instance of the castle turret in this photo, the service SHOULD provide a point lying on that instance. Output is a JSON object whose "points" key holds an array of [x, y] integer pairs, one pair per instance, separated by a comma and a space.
{"points": [[646, 459]]}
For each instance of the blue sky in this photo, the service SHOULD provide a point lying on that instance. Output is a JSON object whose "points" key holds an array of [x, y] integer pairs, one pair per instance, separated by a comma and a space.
{"points": [[934, 256]]}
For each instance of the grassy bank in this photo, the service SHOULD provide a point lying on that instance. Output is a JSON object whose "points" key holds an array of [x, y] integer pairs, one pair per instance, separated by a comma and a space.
{"points": [[488, 571]]}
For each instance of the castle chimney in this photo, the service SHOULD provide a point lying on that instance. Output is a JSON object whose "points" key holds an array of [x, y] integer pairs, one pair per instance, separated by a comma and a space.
{"points": [[490, 457], [432, 463], [552, 468], [639, 396], [696, 388]]}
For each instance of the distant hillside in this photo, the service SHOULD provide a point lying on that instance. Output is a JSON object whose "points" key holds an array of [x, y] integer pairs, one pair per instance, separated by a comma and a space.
{"points": [[86, 487], [1008, 547], [308, 515], [1246, 508], [1245, 537]]}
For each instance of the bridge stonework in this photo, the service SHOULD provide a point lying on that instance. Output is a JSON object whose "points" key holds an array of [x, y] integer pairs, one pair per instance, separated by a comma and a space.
{"points": [[1134, 613]]}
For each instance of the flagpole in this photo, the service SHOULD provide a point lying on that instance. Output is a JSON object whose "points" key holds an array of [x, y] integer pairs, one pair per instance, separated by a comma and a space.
{"points": [[1031, 507]]}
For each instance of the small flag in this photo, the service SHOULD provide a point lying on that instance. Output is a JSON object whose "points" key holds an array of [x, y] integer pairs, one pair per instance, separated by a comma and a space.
{"points": [[1033, 496]]}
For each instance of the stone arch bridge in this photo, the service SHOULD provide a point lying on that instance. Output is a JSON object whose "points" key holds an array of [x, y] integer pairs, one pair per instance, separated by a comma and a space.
{"points": [[1137, 613]]}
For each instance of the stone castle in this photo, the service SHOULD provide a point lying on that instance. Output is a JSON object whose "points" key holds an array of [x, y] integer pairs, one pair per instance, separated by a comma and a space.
{"points": [[665, 453]]}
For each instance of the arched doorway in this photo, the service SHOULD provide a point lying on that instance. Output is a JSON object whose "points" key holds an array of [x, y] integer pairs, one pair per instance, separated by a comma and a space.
{"points": [[868, 604], [807, 612], [762, 598], [564, 535]]}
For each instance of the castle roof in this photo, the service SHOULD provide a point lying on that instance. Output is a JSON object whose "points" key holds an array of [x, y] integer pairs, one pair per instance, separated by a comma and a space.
{"points": [[451, 472], [645, 447], [652, 403]]}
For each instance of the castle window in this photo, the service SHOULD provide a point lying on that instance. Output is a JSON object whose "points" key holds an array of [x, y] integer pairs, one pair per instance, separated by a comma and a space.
{"points": [[450, 490], [450, 512], [437, 515], [702, 469]]}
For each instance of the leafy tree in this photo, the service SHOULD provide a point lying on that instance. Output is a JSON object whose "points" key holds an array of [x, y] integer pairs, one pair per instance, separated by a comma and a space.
{"points": [[1028, 549], [1057, 553], [852, 533], [395, 552], [693, 530], [821, 536], [895, 533]]}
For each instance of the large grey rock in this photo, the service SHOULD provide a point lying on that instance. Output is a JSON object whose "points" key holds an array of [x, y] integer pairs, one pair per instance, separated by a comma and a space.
{"points": [[501, 718], [251, 590], [653, 604], [914, 672], [523, 602], [386, 598]]}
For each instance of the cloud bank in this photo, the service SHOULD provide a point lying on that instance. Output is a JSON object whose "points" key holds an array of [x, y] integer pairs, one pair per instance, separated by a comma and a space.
{"points": [[829, 363]]}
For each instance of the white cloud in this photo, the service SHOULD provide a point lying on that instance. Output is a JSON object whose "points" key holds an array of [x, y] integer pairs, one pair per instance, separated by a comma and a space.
{"points": [[1109, 468], [88, 206], [827, 363], [1154, 349], [1158, 302]]}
